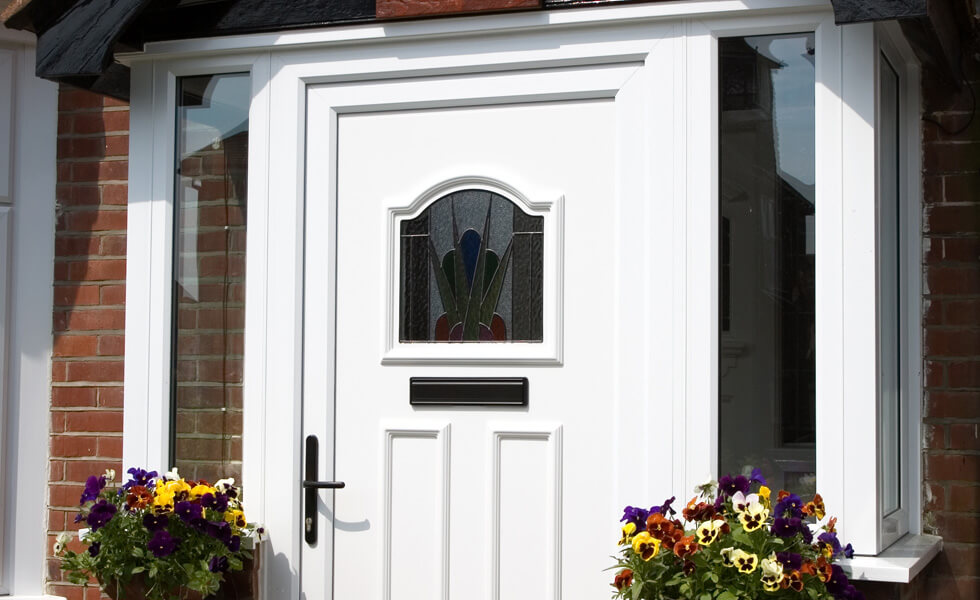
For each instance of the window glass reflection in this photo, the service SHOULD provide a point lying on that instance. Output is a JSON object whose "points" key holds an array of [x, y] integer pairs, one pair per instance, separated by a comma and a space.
{"points": [[209, 275], [767, 201]]}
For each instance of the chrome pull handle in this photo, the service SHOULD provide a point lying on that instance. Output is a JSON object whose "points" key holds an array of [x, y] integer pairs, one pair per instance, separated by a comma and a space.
{"points": [[310, 486]]}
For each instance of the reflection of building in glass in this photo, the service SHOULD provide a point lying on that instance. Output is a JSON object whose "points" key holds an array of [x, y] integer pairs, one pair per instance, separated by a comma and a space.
{"points": [[766, 304]]}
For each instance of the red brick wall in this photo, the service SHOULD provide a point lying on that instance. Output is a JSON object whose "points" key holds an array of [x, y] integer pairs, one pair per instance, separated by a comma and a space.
{"points": [[951, 321], [89, 296]]}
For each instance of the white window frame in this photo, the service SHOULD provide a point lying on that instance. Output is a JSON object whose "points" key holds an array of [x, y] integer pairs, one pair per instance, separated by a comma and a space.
{"points": [[27, 223], [149, 255], [680, 379]]}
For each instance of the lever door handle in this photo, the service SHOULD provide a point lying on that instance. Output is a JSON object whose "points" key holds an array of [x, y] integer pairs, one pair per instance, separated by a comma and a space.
{"points": [[321, 485], [310, 486]]}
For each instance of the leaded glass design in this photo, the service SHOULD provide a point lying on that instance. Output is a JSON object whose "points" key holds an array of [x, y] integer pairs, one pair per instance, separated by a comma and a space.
{"points": [[472, 270]]}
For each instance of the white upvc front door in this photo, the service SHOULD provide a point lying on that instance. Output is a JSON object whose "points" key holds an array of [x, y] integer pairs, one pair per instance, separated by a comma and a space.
{"points": [[498, 502], [442, 501]]}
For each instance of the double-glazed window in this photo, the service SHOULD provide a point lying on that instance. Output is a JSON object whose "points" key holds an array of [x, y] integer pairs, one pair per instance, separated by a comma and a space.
{"points": [[767, 201], [770, 246], [209, 275]]}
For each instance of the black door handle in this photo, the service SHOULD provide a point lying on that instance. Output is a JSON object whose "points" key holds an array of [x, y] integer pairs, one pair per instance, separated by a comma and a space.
{"points": [[310, 486], [320, 485]]}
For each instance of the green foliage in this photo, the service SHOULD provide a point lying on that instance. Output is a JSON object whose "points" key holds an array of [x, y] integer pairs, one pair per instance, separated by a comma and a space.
{"points": [[123, 547], [712, 554]]}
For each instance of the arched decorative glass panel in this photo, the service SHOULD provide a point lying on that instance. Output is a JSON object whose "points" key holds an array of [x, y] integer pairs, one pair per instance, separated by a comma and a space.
{"points": [[471, 271]]}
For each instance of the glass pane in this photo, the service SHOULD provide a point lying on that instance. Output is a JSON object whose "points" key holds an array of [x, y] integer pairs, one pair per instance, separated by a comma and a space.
{"points": [[209, 275], [889, 281], [472, 271], [766, 321]]}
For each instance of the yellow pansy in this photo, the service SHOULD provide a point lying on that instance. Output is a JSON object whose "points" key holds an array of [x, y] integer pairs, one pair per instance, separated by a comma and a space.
{"points": [[726, 556], [764, 492], [645, 545], [199, 490], [628, 530], [708, 532], [236, 518], [163, 499], [173, 487], [772, 573], [744, 561], [753, 516]]}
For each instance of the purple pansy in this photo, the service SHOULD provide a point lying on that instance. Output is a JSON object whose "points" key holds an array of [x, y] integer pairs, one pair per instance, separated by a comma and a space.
{"points": [[637, 516], [848, 551], [93, 486], [792, 504], [234, 544], [665, 508], [728, 485], [784, 527], [218, 564], [790, 560], [806, 533], [140, 477], [757, 477], [829, 539], [199, 524], [100, 514], [837, 584], [162, 544], [188, 511], [219, 530], [93, 550], [218, 502], [154, 522]]}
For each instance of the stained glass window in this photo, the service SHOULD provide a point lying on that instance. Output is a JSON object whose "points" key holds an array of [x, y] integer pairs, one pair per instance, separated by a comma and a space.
{"points": [[472, 271]]}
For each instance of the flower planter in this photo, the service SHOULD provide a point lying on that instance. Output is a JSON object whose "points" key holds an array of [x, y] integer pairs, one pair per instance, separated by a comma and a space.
{"points": [[238, 585]]}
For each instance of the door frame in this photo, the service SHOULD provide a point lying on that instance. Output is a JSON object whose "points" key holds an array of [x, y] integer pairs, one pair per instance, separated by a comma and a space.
{"points": [[672, 42]]}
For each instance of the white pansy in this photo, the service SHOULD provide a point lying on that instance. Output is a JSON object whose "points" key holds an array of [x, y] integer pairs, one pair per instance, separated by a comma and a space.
{"points": [[771, 567], [707, 488], [223, 485], [82, 533], [172, 474], [741, 502], [62, 539], [110, 474], [261, 533]]}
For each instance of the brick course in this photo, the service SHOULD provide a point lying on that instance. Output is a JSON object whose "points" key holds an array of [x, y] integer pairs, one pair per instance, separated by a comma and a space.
{"points": [[951, 339], [89, 316]]}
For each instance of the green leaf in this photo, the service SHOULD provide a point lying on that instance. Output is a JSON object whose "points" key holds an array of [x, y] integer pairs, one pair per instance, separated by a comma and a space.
{"points": [[462, 295], [492, 296], [726, 595], [706, 596], [136, 570], [445, 290]]}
